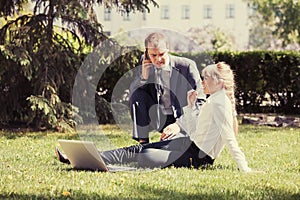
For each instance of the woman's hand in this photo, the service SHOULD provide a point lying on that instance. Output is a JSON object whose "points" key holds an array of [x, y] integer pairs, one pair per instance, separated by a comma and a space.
{"points": [[191, 98], [170, 131]]}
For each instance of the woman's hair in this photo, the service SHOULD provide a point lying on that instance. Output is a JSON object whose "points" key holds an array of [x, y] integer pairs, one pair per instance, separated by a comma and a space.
{"points": [[222, 72]]}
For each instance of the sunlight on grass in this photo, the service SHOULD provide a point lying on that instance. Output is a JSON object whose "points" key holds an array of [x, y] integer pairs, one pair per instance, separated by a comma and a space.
{"points": [[29, 169]]}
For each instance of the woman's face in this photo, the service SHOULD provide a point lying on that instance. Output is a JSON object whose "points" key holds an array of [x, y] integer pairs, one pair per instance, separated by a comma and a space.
{"points": [[210, 85]]}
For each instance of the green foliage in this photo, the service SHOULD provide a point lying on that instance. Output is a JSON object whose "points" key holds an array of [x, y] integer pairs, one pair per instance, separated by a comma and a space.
{"points": [[38, 54], [116, 71], [29, 170], [50, 113], [261, 36], [11, 7], [95, 86], [283, 15], [211, 38], [267, 81]]}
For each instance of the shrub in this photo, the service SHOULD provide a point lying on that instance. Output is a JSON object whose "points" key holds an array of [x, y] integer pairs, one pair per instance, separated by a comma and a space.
{"points": [[267, 82]]}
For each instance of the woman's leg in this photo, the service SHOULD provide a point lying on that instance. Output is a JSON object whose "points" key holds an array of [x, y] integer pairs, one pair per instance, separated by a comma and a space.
{"points": [[122, 155], [157, 158], [151, 158], [177, 144], [162, 158], [130, 154], [180, 152]]}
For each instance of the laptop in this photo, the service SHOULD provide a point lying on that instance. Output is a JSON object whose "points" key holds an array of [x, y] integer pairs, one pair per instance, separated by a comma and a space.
{"points": [[84, 155]]}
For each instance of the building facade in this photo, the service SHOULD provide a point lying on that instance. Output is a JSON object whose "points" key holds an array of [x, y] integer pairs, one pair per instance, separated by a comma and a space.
{"points": [[229, 16]]}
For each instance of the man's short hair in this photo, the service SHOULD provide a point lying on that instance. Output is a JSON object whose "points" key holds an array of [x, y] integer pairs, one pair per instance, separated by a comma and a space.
{"points": [[155, 38]]}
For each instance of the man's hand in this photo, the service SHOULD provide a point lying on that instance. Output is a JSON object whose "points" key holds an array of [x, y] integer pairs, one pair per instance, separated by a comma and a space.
{"points": [[146, 64], [170, 131], [191, 98]]}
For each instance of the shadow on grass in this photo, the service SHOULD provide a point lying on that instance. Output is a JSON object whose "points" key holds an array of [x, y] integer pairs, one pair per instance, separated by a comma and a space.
{"points": [[70, 136], [150, 193], [37, 135]]}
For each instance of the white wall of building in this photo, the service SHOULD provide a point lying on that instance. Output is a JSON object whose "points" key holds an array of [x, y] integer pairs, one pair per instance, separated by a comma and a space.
{"points": [[237, 25]]}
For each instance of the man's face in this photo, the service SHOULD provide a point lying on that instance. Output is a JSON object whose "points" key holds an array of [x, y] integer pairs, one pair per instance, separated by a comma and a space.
{"points": [[158, 55]]}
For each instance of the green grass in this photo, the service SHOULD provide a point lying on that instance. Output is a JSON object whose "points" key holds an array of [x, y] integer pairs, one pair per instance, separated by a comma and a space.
{"points": [[29, 170]]}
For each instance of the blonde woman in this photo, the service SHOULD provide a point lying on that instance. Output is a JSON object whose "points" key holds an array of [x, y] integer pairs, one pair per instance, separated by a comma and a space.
{"points": [[216, 124], [206, 131]]}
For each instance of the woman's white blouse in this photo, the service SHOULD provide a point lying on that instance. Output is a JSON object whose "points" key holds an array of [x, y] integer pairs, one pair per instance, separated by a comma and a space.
{"points": [[212, 128]]}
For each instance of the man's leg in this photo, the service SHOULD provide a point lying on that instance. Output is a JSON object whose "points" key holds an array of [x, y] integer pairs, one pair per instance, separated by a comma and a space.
{"points": [[141, 107]]}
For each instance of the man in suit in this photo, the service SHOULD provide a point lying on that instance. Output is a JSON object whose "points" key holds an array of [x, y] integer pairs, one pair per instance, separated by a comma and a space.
{"points": [[159, 91]]}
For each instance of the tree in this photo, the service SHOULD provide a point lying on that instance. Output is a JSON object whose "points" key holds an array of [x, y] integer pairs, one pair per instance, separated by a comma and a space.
{"points": [[283, 17], [40, 53], [211, 38]]}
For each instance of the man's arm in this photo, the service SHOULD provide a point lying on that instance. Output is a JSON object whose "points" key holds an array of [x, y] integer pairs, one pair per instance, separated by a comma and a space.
{"points": [[141, 75], [195, 77]]}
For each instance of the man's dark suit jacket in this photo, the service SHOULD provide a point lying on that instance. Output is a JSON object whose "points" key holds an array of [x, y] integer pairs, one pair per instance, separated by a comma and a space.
{"points": [[184, 77]]}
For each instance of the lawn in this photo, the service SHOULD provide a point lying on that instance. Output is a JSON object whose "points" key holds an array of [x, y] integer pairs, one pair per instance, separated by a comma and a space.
{"points": [[29, 169]]}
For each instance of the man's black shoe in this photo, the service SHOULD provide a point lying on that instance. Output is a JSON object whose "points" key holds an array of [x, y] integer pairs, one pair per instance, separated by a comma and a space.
{"points": [[61, 157]]}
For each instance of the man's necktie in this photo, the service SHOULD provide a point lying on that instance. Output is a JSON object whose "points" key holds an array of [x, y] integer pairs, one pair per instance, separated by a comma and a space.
{"points": [[159, 93], [165, 98], [162, 86]]}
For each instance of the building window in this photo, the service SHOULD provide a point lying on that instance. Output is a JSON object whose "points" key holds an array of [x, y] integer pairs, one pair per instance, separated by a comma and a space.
{"points": [[107, 14], [126, 17], [185, 12], [165, 12], [207, 12], [229, 11]]}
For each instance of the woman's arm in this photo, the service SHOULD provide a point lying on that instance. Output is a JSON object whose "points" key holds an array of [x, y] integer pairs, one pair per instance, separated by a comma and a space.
{"points": [[235, 125], [224, 120], [187, 122]]}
